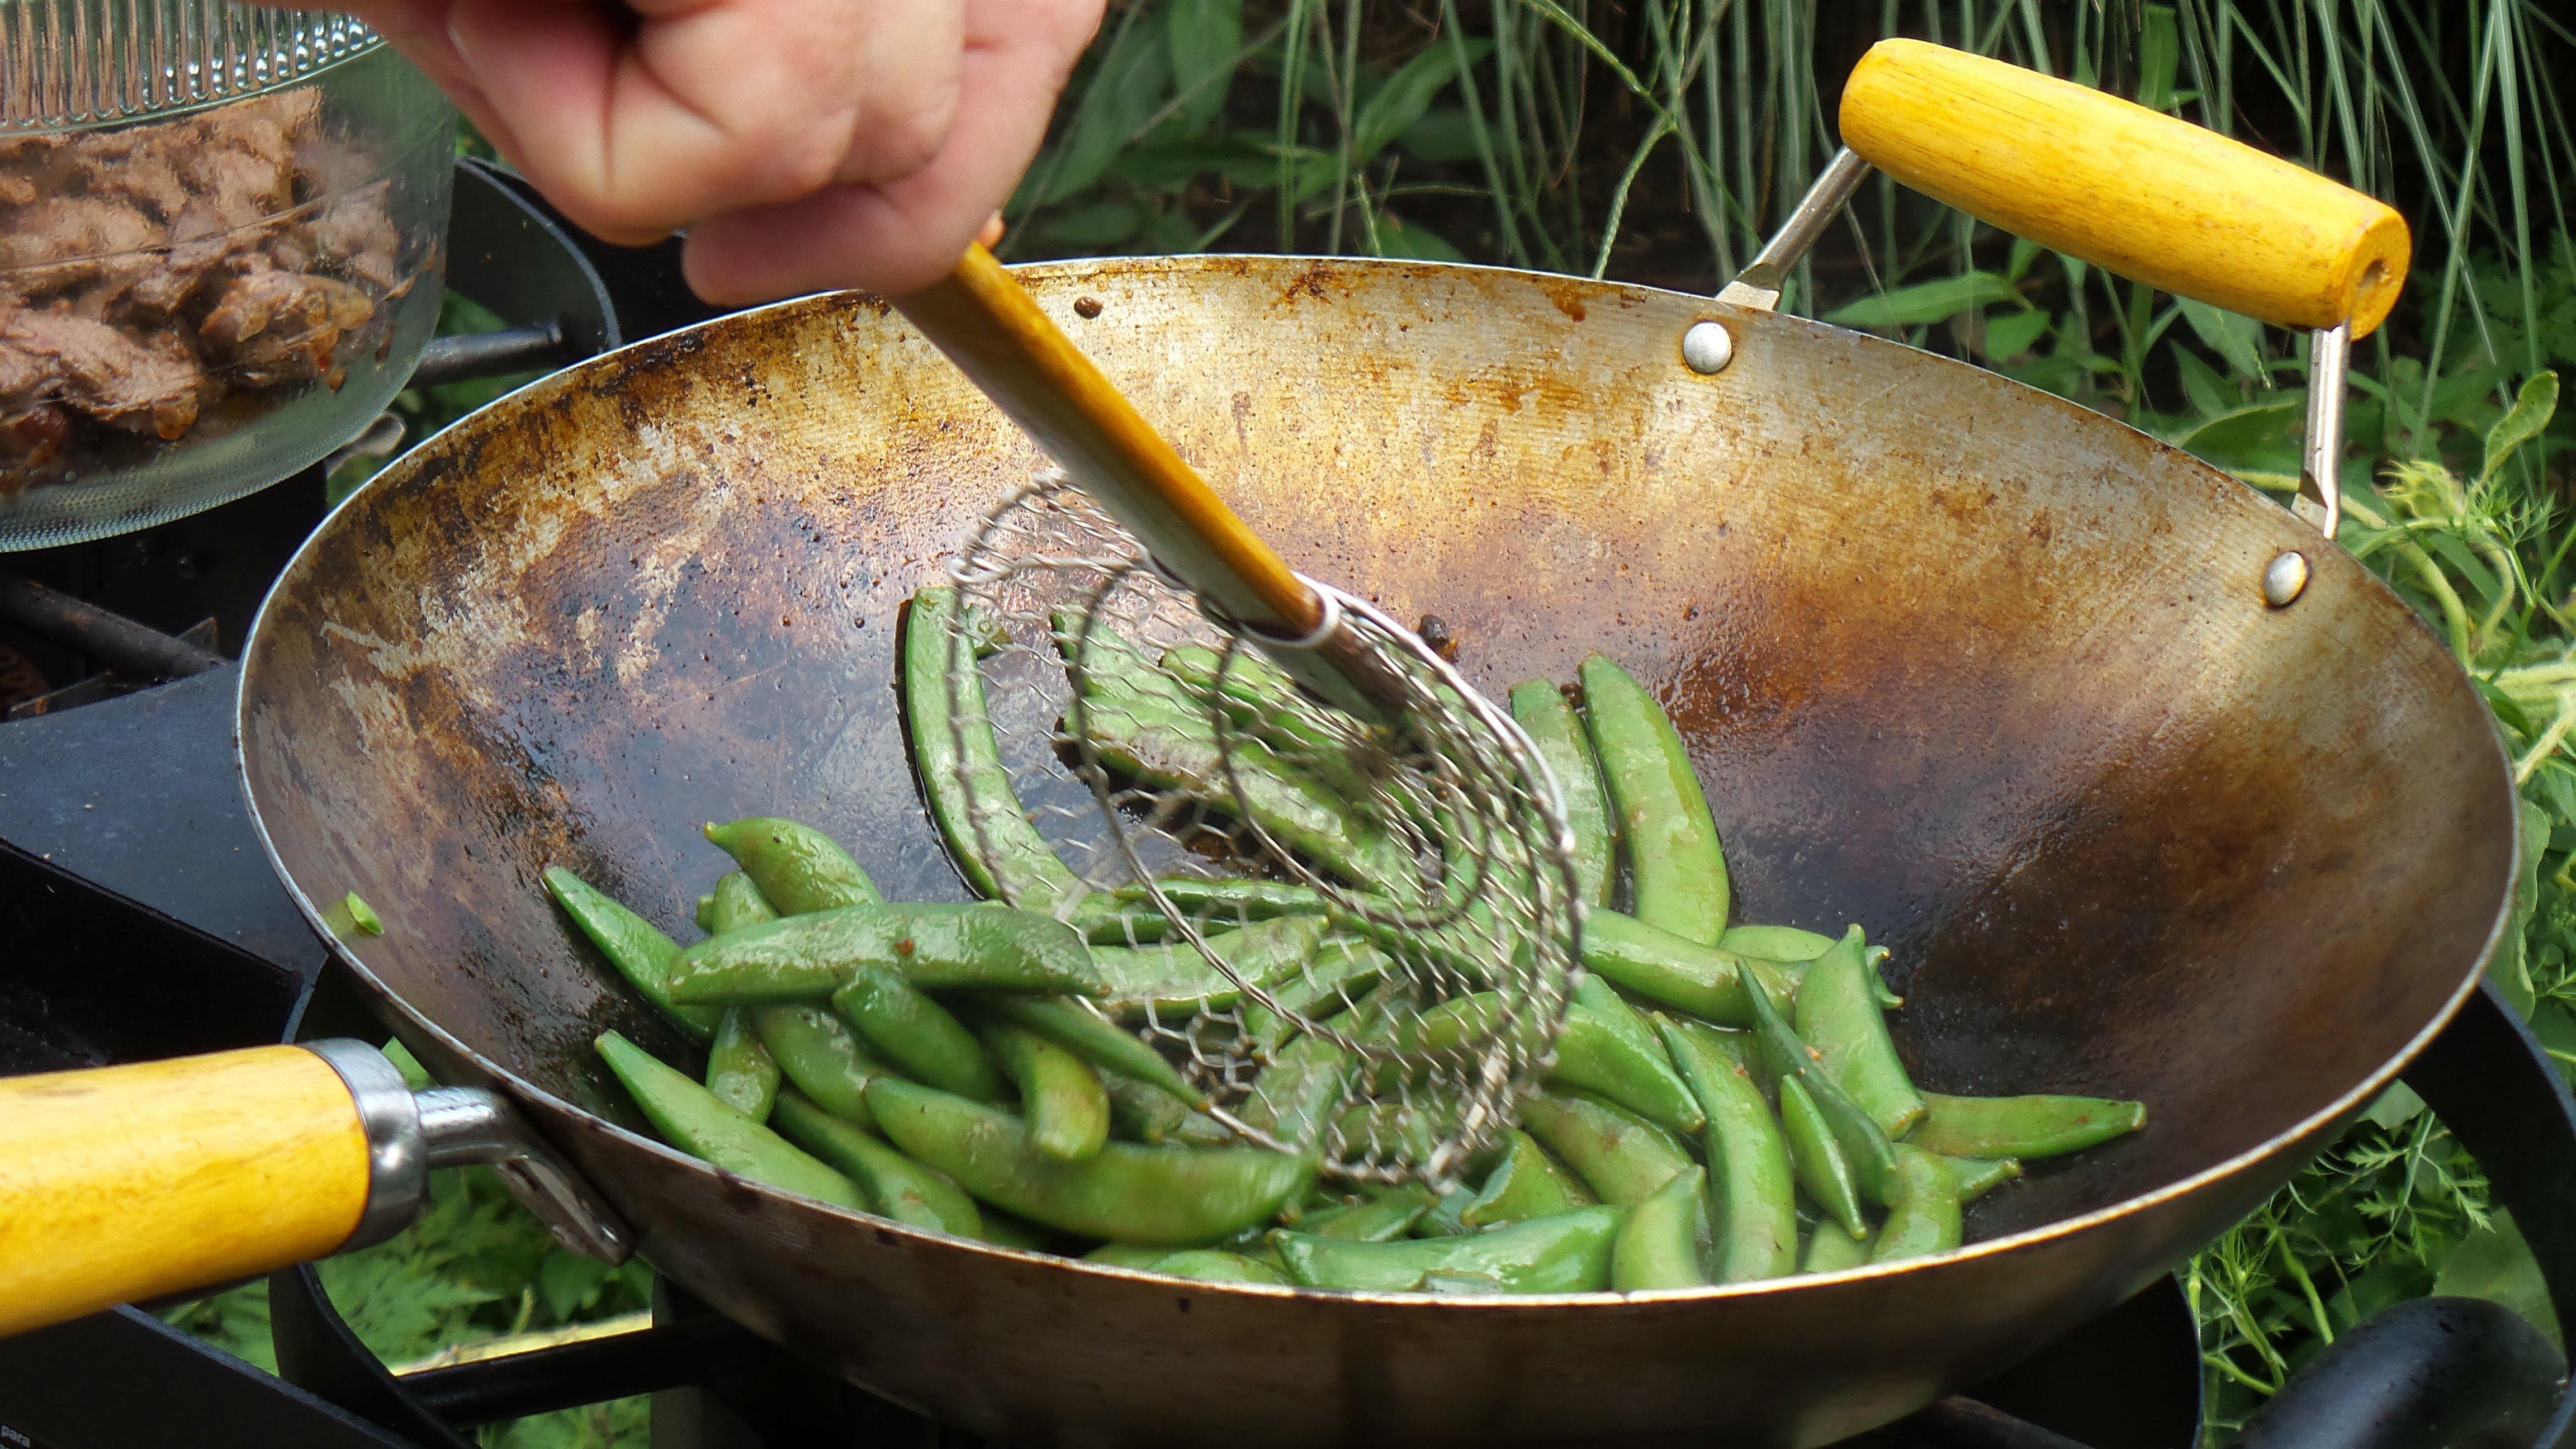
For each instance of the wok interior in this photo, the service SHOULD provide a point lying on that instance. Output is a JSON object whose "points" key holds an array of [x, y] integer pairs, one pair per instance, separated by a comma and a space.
{"points": [[1955, 660]]}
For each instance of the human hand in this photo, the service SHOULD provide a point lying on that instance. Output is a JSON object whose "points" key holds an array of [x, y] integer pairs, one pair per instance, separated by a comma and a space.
{"points": [[804, 145]]}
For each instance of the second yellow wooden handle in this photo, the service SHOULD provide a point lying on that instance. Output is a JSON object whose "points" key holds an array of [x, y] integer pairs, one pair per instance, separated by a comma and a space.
{"points": [[130, 1182], [2147, 195]]}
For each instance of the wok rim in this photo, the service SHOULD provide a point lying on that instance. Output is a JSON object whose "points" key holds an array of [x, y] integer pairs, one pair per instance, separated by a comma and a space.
{"points": [[2340, 1108]]}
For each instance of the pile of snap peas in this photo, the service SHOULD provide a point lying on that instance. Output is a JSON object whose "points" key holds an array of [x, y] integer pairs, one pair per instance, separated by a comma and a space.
{"points": [[1725, 1103]]}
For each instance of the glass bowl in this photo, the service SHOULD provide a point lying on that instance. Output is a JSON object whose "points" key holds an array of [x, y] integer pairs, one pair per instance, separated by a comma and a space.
{"points": [[211, 274]]}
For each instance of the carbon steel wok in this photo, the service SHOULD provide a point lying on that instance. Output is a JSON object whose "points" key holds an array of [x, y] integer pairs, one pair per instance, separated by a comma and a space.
{"points": [[1978, 667]]}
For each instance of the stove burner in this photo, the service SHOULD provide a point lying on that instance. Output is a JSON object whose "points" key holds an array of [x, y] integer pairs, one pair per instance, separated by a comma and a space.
{"points": [[146, 923]]}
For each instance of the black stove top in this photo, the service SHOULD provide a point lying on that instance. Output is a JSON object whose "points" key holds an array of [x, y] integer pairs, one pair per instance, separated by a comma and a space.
{"points": [[147, 923]]}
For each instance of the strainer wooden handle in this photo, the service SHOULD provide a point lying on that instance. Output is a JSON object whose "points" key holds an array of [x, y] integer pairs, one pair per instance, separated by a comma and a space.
{"points": [[996, 333], [2144, 194]]}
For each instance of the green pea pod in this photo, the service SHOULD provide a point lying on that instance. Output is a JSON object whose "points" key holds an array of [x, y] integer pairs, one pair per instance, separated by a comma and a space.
{"points": [[1211, 1265], [1566, 1253], [632, 944], [1548, 718], [1139, 1113], [1676, 870], [1104, 922], [798, 869], [1839, 1016], [1061, 1097], [1621, 1156], [897, 1187], [1816, 1160], [936, 946], [1461, 1285], [1263, 703], [1175, 978], [1129, 1255], [1172, 746], [1527, 1183], [692, 1119], [821, 1055], [1299, 1093], [1677, 972], [1078, 1029], [740, 1071], [1132, 1194], [1864, 1146], [1383, 1218], [1775, 943], [1607, 1049], [962, 776], [1246, 900], [1447, 1216], [1831, 1250], [1981, 1175], [1752, 1183], [2022, 1127], [1344, 969], [1924, 1219], [1660, 1244], [706, 913], [917, 1034], [735, 903]]}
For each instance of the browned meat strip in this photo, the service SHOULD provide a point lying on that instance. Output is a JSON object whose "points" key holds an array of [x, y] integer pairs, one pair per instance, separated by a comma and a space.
{"points": [[57, 241], [107, 374], [270, 326]]}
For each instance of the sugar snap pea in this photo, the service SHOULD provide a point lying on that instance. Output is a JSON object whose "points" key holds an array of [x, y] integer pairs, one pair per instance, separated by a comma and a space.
{"points": [[1262, 702], [1061, 1097], [1607, 1049], [1383, 1218], [1661, 1243], [1981, 1175], [1676, 870], [1446, 1219], [1621, 1156], [740, 1071], [1298, 1095], [2024, 1127], [1174, 977], [916, 1033], [693, 1120], [1212, 1265], [735, 903], [1247, 900], [897, 1187], [1565, 1253], [1775, 943], [1839, 1016], [1139, 1113], [1078, 1029], [1343, 970], [1527, 1183], [1548, 718], [1816, 1159], [1925, 1216], [1864, 1146], [797, 868], [1752, 1185], [1706, 981], [935, 945], [1831, 1250], [1178, 1195], [632, 944], [821, 1055], [990, 838]]}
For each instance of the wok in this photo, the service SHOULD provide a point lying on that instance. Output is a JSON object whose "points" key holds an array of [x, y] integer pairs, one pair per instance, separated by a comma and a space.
{"points": [[1981, 668]]}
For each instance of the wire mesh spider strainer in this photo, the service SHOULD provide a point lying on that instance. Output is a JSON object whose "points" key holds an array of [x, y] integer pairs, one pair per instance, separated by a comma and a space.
{"points": [[1352, 925]]}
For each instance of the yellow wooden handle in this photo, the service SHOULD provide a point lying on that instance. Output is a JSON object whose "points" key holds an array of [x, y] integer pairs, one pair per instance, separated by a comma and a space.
{"points": [[130, 1182], [997, 335], [2147, 195]]}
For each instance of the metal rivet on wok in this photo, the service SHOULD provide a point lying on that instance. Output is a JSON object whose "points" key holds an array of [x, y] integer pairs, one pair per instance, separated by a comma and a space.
{"points": [[2285, 578], [1708, 347]]}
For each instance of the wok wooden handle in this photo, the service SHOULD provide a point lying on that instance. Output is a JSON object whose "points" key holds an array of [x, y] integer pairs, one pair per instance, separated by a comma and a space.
{"points": [[997, 335], [2147, 195], [129, 1182]]}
